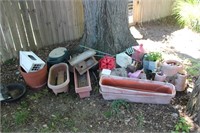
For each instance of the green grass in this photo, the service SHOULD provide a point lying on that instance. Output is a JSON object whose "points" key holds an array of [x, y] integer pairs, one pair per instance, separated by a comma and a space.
{"points": [[182, 126], [22, 114], [117, 105], [140, 120], [108, 114], [187, 13], [21, 117], [39, 94], [194, 68]]}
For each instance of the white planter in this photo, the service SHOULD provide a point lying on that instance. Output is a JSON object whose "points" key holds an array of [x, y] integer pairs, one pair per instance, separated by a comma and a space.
{"points": [[180, 82], [171, 67], [159, 77]]}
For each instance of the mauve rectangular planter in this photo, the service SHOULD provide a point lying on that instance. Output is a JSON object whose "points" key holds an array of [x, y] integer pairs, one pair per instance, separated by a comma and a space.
{"points": [[58, 79], [136, 90], [82, 84]]}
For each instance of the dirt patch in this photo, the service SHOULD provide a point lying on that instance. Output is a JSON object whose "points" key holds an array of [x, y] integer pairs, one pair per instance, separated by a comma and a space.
{"points": [[43, 111]]}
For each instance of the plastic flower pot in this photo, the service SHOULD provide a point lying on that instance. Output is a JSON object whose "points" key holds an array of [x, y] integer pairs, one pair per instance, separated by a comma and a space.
{"points": [[82, 84], [171, 67], [58, 79], [35, 80], [136, 90], [145, 64], [180, 81], [160, 77], [152, 65]]}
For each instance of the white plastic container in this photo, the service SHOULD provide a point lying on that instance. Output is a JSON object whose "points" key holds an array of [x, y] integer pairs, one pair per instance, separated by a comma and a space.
{"points": [[30, 62], [123, 60], [136, 90]]}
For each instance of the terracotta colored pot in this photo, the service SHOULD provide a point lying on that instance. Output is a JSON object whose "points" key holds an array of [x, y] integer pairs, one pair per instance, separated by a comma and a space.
{"points": [[136, 90], [82, 84], [36, 80]]}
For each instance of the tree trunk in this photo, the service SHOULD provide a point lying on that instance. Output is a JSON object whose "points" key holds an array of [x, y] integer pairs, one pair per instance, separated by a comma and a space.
{"points": [[193, 106], [106, 26]]}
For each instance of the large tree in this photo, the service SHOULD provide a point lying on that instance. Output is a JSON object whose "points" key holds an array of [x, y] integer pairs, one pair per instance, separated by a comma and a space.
{"points": [[193, 106], [106, 25]]}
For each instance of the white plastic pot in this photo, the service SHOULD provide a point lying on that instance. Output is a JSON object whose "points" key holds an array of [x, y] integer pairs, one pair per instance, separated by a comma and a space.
{"points": [[171, 67], [180, 82]]}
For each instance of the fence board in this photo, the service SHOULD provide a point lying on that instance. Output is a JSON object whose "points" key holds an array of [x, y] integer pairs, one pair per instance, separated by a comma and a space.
{"points": [[54, 18], [40, 21], [7, 35], [12, 22], [33, 20], [51, 21], [22, 36], [64, 19], [27, 23], [146, 10]]}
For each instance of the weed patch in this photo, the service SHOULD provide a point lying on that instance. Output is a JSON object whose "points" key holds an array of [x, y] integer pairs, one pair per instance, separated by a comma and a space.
{"points": [[21, 117], [182, 126]]}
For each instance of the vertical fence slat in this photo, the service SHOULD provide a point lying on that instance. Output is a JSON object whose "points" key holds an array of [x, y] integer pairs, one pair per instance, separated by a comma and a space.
{"points": [[51, 23], [58, 19], [65, 22], [7, 35], [17, 14], [36, 32], [3, 51], [54, 19], [40, 21], [27, 23], [12, 22], [48, 29]]}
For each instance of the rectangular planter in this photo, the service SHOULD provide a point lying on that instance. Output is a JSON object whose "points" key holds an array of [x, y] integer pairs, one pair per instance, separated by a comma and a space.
{"points": [[58, 79], [136, 90], [82, 84]]}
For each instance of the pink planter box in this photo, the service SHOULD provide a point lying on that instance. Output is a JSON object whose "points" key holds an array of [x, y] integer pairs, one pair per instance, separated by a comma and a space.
{"points": [[136, 90], [58, 79], [82, 84]]}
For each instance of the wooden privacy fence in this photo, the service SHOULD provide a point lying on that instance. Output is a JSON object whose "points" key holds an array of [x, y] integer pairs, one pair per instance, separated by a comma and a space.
{"points": [[31, 24], [146, 10]]}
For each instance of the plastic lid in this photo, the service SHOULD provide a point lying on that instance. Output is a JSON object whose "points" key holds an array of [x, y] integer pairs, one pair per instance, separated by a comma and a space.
{"points": [[58, 52]]}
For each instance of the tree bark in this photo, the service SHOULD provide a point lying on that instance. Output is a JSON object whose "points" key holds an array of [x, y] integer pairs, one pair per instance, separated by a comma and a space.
{"points": [[106, 26], [193, 106]]}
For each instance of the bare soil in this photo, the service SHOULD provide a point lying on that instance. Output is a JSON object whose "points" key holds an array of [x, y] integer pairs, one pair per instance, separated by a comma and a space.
{"points": [[43, 111]]}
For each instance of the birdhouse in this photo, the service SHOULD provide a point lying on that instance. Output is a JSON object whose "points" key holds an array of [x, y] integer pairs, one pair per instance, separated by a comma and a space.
{"points": [[30, 62], [83, 61]]}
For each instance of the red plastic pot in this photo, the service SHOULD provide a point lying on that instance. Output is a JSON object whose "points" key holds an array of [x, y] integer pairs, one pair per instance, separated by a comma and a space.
{"points": [[107, 62], [35, 80]]}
